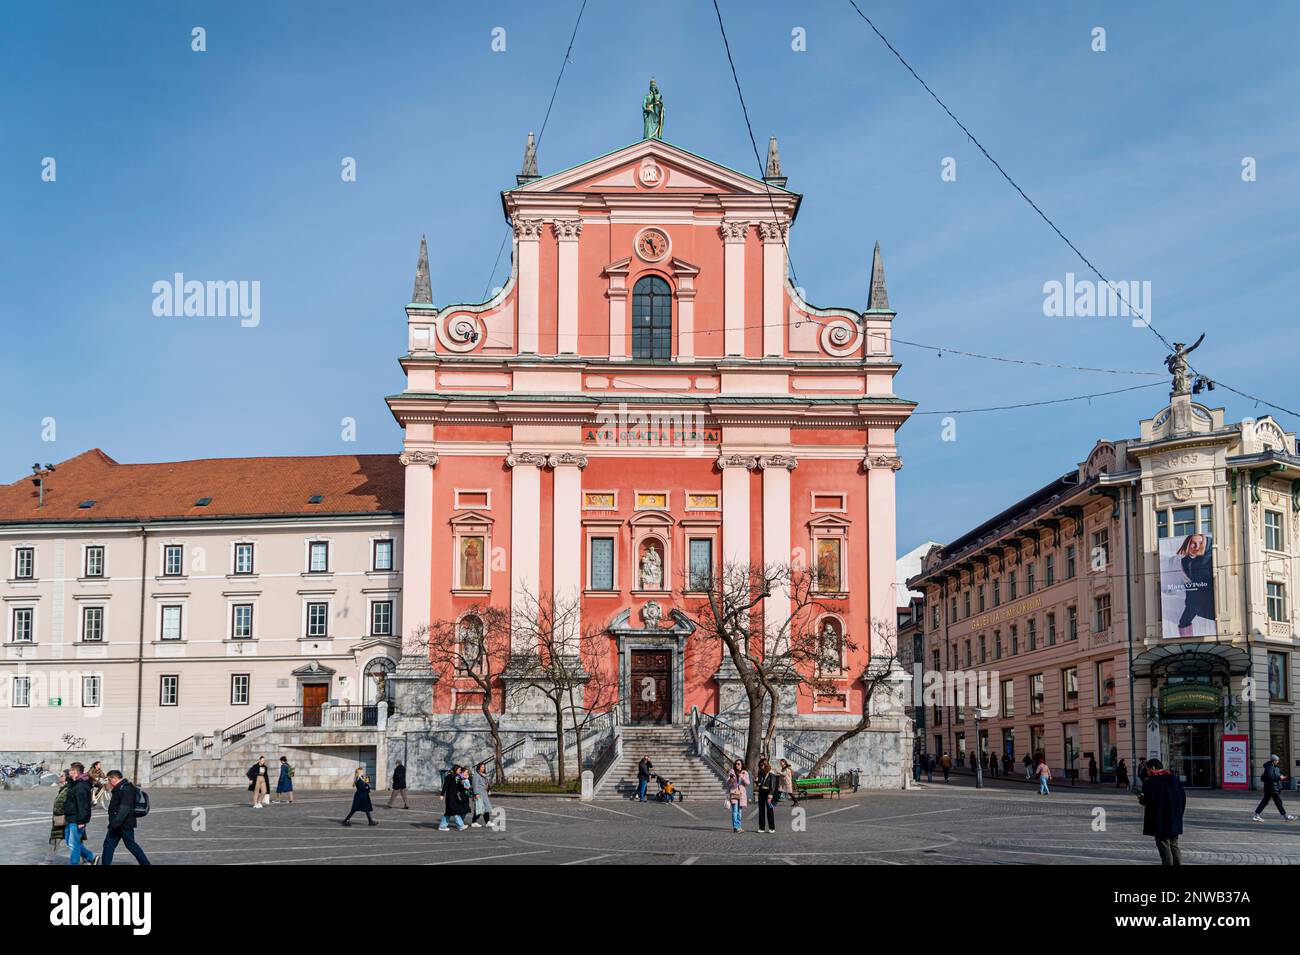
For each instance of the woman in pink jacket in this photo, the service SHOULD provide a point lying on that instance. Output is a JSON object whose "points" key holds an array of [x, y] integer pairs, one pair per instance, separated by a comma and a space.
{"points": [[737, 793]]}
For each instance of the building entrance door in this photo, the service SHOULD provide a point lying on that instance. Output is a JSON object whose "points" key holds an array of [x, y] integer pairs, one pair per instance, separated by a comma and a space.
{"points": [[314, 696], [1191, 753], [650, 686]]}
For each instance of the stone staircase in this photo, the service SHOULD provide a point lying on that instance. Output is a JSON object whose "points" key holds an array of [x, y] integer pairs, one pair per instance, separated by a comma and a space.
{"points": [[670, 750]]}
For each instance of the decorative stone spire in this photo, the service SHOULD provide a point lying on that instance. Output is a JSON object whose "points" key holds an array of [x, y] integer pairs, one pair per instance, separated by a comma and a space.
{"points": [[773, 173], [423, 291], [878, 297], [529, 171]]}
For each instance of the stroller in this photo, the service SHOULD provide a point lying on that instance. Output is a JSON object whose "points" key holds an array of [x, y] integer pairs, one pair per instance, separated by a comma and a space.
{"points": [[667, 791]]}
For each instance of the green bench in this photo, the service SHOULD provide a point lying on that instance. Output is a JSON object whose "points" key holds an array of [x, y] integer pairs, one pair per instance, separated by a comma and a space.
{"points": [[816, 786]]}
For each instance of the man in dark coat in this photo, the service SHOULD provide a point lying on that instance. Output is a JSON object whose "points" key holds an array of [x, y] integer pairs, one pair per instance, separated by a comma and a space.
{"points": [[1272, 779], [399, 786], [1164, 801], [121, 820], [643, 770], [77, 805]]}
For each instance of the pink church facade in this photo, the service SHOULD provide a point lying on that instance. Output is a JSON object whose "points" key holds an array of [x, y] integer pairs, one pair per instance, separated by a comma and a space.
{"points": [[649, 399]]}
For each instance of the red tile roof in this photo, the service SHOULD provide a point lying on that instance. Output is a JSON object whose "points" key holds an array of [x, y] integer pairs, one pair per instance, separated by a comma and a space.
{"points": [[238, 487]]}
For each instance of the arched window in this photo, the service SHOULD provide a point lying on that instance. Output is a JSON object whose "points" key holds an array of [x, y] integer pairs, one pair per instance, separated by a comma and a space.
{"points": [[652, 319]]}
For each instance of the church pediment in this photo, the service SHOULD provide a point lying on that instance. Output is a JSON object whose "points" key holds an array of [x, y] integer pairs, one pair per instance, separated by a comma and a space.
{"points": [[651, 166]]}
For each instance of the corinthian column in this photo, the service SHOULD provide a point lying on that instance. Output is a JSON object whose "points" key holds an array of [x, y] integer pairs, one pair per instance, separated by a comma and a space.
{"points": [[567, 232], [735, 507], [776, 530], [528, 233], [566, 552], [773, 234], [525, 532]]}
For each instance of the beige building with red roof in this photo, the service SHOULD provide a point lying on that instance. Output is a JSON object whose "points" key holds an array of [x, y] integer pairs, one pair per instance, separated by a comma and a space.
{"points": [[147, 604]]}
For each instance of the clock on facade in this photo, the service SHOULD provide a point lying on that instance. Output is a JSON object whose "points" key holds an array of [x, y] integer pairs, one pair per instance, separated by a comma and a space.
{"points": [[652, 245]]}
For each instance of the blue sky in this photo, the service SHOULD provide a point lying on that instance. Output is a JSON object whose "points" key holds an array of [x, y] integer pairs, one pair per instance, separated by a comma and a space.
{"points": [[226, 165]]}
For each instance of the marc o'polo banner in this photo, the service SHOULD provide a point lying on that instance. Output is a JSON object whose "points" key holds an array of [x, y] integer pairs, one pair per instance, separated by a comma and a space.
{"points": [[1187, 586]]}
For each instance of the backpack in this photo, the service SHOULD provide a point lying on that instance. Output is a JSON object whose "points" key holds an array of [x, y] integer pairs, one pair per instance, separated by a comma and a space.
{"points": [[141, 803]]}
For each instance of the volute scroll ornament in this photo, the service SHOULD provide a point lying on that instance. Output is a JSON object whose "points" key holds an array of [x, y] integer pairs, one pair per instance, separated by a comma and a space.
{"points": [[417, 456]]}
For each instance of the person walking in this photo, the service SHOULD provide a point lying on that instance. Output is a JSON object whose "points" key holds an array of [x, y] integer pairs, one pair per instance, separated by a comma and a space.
{"points": [[454, 802], [737, 794], [1006, 764], [1044, 775], [1272, 779], [284, 785], [399, 786], [482, 786], [766, 784], [121, 819], [643, 770], [1121, 775], [77, 805], [973, 761], [945, 763], [259, 781], [361, 798], [787, 782], [99, 789], [1029, 766], [993, 765], [929, 769], [58, 818], [1163, 802], [1092, 769]]}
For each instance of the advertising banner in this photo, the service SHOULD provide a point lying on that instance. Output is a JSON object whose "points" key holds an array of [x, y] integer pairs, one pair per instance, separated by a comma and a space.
{"points": [[1236, 761], [1187, 586]]}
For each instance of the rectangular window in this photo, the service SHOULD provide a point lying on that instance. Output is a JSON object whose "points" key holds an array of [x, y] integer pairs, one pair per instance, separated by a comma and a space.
{"points": [[243, 558], [239, 687], [241, 622], [1184, 521], [1101, 613], [1109, 756], [602, 563], [701, 563], [1101, 549], [23, 617], [92, 624], [1276, 602], [1011, 586], [24, 563], [1070, 688], [22, 691], [980, 600], [318, 560], [1105, 682], [1031, 633], [1273, 530], [381, 618], [1008, 697], [318, 619], [997, 593], [95, 561], [169, 689], [90, 686], [966, 603], [1029, 579], [1015, 640], [1035, 693], [1162, 523], [1051, 629], [173, 560], [1279, 685], [934, 617], [383, 559], [983, 649], [171, 623], [1072, 623], [1069, 562], [997, 645], [968, 656], [953, 616], [1049, 570]]}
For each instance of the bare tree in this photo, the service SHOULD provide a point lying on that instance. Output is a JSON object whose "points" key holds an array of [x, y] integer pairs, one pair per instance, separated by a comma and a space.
{"points": [[767, 650], [474, 646], [552, 656], [881, 669]]}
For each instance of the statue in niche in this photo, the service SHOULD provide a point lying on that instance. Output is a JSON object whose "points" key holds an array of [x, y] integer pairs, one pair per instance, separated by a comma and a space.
{"points": [[652, 568]]}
